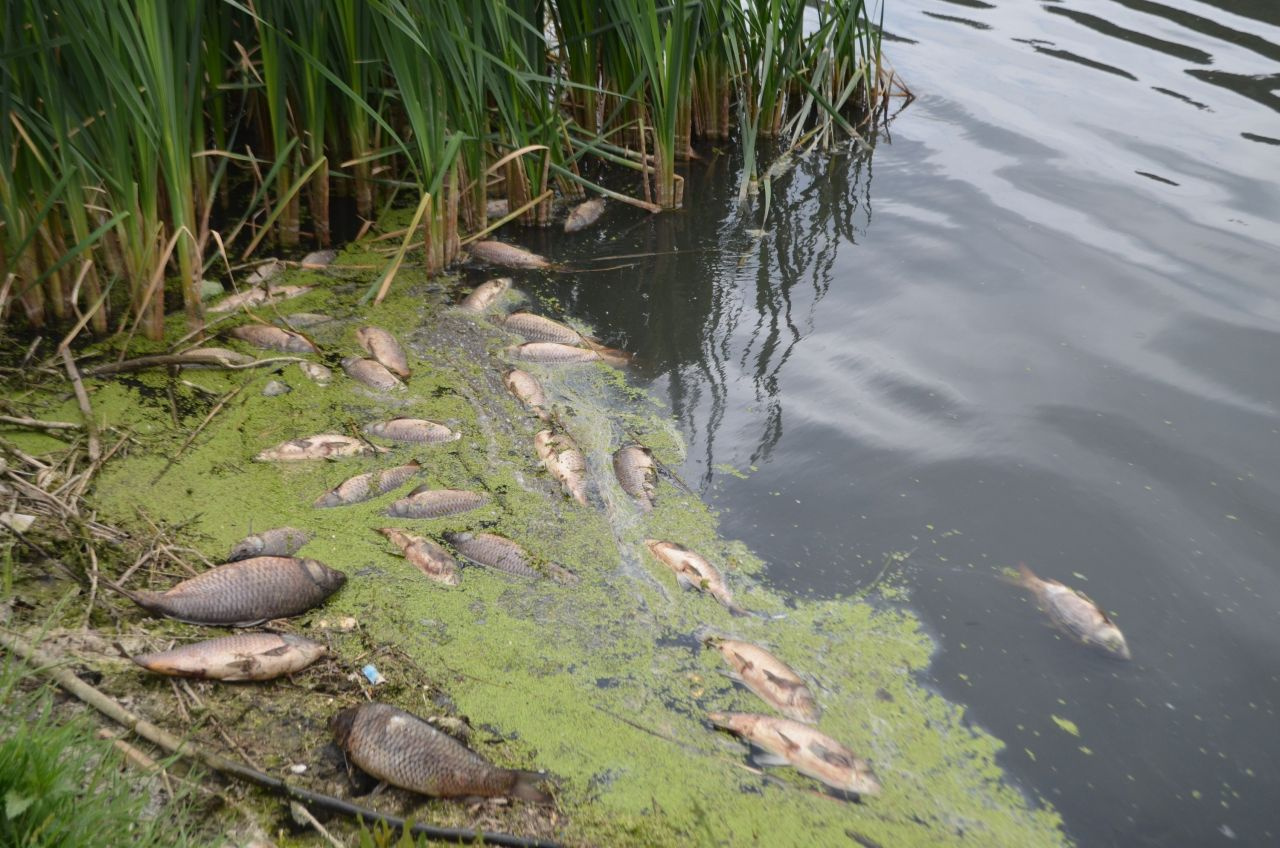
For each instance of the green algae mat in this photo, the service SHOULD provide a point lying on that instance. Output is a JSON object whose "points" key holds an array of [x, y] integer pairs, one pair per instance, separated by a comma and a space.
{"points": [[604, 683]]}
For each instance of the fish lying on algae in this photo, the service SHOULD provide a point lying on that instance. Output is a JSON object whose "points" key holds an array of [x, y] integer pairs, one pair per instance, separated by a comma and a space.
{"points": [[600, 680]]}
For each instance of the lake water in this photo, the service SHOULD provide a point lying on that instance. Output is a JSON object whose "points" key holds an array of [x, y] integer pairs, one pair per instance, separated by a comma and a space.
{"points": [[1040, 324]]}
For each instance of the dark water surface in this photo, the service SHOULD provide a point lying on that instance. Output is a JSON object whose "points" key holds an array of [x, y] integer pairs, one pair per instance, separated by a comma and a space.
{"points": [[1042, 323]]}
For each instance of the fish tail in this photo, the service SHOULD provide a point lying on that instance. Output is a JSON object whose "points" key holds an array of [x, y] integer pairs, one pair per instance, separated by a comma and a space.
{"points": [[526, 787], [613, 356], [149, 601], [707, 635], [1026, 577]]}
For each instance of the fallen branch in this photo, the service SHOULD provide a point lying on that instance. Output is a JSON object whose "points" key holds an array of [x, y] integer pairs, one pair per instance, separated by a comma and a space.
{"points": [[110, 707], [37, 424], [82, 398], [163, 360]]}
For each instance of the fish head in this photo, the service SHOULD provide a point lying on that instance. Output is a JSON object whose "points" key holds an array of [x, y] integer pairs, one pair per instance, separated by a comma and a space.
{"points": [[341, 726], [1111, 640], [306, 647], [350, 361], [328, 499], [863, 780], [739, 723], [456, 538], [329, 579]]}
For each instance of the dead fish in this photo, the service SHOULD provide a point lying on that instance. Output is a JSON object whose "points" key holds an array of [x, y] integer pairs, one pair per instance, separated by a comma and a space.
{"points": [[299, 320], [485, 295], [213, 357], [560, 454], [316, 372], [498, 552], [268, 270], [362, 487], [383, 347], [584, 215], [769, 677], [324, 446], [274, 338], [403, 750], [506, 255], [497, 208], [528, 391], [1075, 613], [431, 559], [551, 353], [372, 374], [536, 328], [319, 258], [418, 430], [425, 502], [808, 751], [637, 473], [280, 541], [248, 656], [245, 593], [693, 571], [258, 296]]}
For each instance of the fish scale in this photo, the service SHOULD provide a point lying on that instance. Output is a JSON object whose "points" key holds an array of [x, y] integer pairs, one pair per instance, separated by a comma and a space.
{"points": [[274, 338], [536, 328], [384, 347], [402, 749], [423, 502], [418, 430], [279, 541], [362, 487], [637, 473], [552, 353], [244, 593], [245, 656], [494, 552]]}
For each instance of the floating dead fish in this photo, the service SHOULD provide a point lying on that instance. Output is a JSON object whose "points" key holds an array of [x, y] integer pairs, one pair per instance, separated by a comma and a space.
{"points": [[528, 391], [694, 572], [274, 338], [275, 388], [362, 487], [319, 258], [403, 750], [551, 353], [280, 541], [584, 215], [372, 374], [258, 296], [769, 677], [268, 270], [497, 208], [431, 559], [485, 295], [248, 656], [316, 372], [245, 593], [417, 430], [214, 357], [383, 347], [495, 551], [560, 454], [637, 473], [536, 328], [790, 743], [324, 446], [1075, 613], [425, 502], [506, 255], [300, 320]]}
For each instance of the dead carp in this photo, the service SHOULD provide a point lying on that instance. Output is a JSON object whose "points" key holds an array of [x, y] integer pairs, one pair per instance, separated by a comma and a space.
{"points": [[497, 208], [425, 502], [258, 296], [418, 430], [324, 446], [265, 272], [506, 255], [495, 551], [769, 677], [280, 541], [213, 357], [316, 372], [584, 215], [431, 559], [373, 374], [536, 328], [403, 750], [319, 259], [248, 656], [274, 338], [637, 473], [560, 454], [299, 320], [362, 487], [383, 347], [245, 593], [694, 572], [1074, 613], [485, 295], [552, 353], [528, 390], [790, 743]]}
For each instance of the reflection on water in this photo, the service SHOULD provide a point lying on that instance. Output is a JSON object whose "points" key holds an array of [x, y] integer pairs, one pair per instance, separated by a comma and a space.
{"points": [[1055, 340]]}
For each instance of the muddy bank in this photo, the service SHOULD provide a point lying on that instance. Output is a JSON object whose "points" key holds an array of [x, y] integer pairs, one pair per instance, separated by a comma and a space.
{"points": [[602, 683]]}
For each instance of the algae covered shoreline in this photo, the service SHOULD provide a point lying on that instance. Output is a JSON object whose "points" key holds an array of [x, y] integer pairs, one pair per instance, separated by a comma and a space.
{"points": [[603, 684]]}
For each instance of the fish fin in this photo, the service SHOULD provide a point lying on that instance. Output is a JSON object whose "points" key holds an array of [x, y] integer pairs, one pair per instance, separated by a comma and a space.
{"points": [[826, 754], [790, 743], [746, 663], [684, 582], [780, 682], [735, 677], [761, 757], [525, 787]]}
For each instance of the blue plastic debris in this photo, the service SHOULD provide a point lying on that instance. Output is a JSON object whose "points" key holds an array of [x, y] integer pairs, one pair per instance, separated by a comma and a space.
{"points": [[371, 674]]}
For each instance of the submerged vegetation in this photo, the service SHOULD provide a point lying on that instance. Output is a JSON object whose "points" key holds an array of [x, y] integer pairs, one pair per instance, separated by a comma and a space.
{"points": [[147, 141]]}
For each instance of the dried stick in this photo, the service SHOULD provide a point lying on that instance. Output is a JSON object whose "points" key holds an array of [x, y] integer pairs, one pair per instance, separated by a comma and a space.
{"points": [[163, 360], [82, 398], [110, 707], [37, 424]]}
